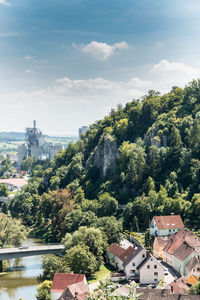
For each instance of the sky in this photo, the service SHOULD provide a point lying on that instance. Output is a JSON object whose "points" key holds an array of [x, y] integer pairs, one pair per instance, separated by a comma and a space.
{"points": [[66, 63]]}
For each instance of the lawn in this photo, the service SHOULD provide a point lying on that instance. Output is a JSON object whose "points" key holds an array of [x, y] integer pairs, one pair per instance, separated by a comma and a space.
{"points": [[101, 274]]}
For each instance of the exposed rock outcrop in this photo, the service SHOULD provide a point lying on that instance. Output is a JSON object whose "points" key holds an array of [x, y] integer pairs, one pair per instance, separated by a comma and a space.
{"points": [[105, 155]]}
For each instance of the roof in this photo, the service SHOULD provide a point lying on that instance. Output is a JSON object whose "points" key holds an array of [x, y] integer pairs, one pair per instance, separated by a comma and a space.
{"points": [[162, 241], [120, 252], [192, 264], [190, 237], [159, 294], [192, 279], [134, 254], [61, 281], [77, 290], [169, 222], [173, 244], [149, 257], [183, 251], [179, 286], [14, 181]]}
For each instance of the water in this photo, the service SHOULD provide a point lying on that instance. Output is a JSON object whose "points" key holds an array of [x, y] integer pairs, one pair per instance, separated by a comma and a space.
{"points": [[21, 282]]}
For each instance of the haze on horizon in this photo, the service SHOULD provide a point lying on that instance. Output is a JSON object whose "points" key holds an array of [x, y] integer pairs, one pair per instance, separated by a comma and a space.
{"points": [[66, 63]]}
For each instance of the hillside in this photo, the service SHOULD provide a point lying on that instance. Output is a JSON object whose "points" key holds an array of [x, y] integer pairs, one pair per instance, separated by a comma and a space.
{"points": [[145, 155]]}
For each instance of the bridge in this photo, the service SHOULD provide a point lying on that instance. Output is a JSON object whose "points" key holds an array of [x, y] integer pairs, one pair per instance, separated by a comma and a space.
{"points": [[9, 253]]}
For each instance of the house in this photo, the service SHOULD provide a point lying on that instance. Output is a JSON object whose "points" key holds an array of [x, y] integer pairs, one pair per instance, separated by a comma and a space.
{"points": [[151, 271], [181, 257], [193, 267], [68, 284], [179, 286], [158, 245], [78, 290], [134, 260], [117, 255], [180, 249], [154, 294], [165, 225], [143, 266], [14, 183]]}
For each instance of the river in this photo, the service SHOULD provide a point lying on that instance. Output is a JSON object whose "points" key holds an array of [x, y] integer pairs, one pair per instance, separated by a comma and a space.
{"points": [[21, 282]]}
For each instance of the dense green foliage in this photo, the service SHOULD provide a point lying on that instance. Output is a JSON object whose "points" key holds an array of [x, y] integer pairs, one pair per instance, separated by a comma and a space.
{"points": [[12, 232], [195, 289], [43, 291], [145, 155]]}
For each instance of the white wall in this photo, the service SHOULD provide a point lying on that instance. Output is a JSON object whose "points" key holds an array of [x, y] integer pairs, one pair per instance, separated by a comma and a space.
{"points": [[147, 275], [55, 296], [136, 260]]}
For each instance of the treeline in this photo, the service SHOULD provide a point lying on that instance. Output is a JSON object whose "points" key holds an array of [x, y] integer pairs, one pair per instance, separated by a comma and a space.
{"points": [[145, 155]]}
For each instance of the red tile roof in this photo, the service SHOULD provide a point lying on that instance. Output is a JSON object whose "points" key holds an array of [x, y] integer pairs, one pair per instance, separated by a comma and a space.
{"points": [[190, 237], [179, 286], [161, 241], [169, 222], [183, 251], [120, 252], [173, 244], [77, 290], [62, 281]]}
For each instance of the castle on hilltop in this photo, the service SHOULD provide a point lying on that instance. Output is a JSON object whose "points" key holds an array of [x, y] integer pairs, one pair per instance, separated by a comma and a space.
{"points": [[36, 145]]}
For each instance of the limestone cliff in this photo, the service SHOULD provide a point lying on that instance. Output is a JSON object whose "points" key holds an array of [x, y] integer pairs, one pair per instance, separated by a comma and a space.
{"points": [[105, 155]]}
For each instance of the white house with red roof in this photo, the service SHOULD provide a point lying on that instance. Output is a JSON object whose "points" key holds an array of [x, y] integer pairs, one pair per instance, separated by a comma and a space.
{"points": [[165, 225], [71, 285], [117, 255]]}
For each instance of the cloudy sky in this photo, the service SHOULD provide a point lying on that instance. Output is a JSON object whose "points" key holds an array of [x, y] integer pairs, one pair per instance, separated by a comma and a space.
{"points": [[66, 63]]}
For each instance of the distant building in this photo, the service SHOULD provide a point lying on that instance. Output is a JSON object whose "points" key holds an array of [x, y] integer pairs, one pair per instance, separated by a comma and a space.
{"points": [[36, 145], [14, 183], [82, 130]]}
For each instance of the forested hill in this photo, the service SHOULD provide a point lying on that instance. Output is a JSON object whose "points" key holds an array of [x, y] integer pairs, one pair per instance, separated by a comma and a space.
{"points": [[145, 155]]}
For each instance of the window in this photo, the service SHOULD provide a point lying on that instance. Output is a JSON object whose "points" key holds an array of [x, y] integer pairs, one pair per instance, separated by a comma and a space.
{"points": [[198, 269], [148, 266], [155, 266], [169, 230], [133, 271], [155, 279], [133, 264], [143, 255], [156, 273]]}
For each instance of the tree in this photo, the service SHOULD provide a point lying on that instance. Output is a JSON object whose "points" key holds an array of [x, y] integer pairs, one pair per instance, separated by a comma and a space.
{"points": [[12, 232], [111, 227], [108, 205], [90, 238], [44, 290], [3, 190], [106, 291], [195, 289], [52, 264], [81, 260]]}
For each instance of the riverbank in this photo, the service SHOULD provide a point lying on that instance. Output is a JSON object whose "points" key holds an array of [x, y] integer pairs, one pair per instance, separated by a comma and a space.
{"points": [[21, 282]]}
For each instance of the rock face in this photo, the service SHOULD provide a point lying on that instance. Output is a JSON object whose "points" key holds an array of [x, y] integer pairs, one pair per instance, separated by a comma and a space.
{"points": [[105, 155], [152, 139]]}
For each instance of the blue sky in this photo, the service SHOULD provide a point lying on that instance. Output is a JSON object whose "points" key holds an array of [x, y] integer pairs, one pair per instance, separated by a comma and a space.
{"points": [[66, 63]]}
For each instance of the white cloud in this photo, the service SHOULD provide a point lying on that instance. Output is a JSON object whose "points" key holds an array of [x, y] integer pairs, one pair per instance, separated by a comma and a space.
{"points": [[103, 51], [166, 74], [4, 2], [29, 71], [29, 57], [74, 102]]}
